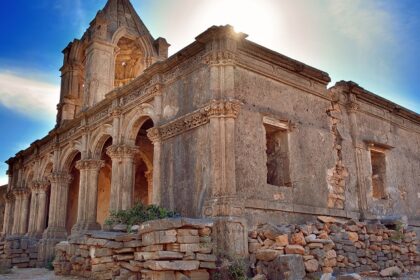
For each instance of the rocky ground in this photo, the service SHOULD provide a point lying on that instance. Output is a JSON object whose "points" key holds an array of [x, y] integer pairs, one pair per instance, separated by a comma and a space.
{"points": [[44, 274], [32, 274]]}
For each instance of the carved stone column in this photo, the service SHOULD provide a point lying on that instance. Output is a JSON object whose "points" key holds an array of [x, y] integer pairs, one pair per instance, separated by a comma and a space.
{"points": [[33, 211], [149, 178], [224, 206], [156, 139], [17, 213], [122, 182], [25, 193], [88, 193], [21, 211], [60, 182], [41, 217], [8, 213]]}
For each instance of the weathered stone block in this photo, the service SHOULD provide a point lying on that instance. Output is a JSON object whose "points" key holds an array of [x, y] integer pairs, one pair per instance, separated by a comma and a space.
{"points": [[172, 265]]}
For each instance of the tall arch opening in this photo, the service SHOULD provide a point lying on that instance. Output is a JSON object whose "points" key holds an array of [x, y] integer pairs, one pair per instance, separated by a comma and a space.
{"points": [[73, 194], [104, 185], [129, 61], [143, 184]]}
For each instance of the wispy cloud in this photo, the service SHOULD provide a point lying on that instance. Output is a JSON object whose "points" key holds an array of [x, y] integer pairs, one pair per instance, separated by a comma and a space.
{"points": [[366, 23], [33, 98]]}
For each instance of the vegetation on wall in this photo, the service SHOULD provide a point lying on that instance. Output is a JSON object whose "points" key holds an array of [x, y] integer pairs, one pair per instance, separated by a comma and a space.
{"points": [[140, 213]]}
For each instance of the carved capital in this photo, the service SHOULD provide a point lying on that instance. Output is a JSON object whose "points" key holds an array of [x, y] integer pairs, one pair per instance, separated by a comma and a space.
{"points": [[116, 112], [224, 206], [60, 178], [21, 192], [222, 108], [118, 152], [154, 135], [90, 164], [352, 106], [220, 58], [9, 197]]}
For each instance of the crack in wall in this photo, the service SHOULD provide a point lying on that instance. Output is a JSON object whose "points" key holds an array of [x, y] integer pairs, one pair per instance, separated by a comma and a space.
{"points": [[336, 176]]}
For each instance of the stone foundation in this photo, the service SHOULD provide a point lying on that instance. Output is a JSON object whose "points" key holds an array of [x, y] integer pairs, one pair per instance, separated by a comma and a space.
{"points": [[163, 249], [334, 245], [19, 252]]}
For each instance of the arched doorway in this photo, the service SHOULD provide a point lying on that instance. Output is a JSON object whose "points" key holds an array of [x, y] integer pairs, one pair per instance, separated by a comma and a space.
{"points": [[104, 185], [143, 182], [73, 194]]}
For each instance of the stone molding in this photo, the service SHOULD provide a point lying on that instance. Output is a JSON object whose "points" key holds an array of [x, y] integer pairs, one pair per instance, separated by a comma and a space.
{"points": [[122, 151], [220, 58], [215, 109], [89, 164]]}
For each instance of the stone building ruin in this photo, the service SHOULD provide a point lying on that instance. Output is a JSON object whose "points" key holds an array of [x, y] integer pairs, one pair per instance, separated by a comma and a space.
{"points": [[224, 128]]}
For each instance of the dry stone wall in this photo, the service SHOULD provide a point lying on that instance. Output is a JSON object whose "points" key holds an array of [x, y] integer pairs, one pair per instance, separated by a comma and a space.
{"points": [[163, 249], [18, 252], [335, 246]]}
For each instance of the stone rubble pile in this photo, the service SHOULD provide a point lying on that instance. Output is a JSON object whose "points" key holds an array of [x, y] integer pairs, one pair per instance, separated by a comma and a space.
{"points": [[163, 249], [335, 245], [18, 252]]}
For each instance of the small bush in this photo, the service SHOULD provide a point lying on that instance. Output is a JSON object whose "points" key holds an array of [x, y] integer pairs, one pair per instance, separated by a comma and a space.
{"points": [[233, 269], [49, 265], [5, 270], [140, 213]]}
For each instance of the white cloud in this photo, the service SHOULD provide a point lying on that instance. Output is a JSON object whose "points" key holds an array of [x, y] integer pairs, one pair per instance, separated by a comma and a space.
{"points": [[4, 179], [366, 23], [33, 98]]}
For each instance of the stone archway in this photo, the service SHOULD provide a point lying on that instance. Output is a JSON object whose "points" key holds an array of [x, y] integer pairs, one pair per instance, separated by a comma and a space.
{"points": [[104, 184], [143, 182]]}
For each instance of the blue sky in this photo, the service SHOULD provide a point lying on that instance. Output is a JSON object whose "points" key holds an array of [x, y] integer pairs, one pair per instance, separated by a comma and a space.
{"points": [[374, 43]]}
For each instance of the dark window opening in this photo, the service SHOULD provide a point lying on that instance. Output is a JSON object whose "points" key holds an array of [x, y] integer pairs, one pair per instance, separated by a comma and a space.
{"points": [[277, 151], [378, 174]]}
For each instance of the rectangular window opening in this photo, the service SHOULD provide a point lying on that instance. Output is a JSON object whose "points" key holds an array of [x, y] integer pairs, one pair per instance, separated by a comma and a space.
{"points": [[277, 151], [378, 162]]}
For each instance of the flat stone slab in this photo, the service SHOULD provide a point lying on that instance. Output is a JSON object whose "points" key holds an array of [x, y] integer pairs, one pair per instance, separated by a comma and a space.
{"points": [[174, 223], [110, 235]]}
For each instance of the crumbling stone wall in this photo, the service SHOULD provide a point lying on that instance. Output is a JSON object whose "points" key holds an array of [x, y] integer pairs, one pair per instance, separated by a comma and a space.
{"points": [[162, 249], [19, 252], [334, 245]]}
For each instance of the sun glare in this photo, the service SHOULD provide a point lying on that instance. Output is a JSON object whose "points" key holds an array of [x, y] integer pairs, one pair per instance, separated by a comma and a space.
{"points": [[256, 18]]}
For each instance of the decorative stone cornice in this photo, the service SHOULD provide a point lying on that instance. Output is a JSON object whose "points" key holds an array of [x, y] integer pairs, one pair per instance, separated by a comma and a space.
{"points": [[352, 107], [118, 152], [215, 109], [89, 164]]}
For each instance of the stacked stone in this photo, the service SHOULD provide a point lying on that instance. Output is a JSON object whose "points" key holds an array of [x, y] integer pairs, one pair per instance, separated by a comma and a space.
{"points": [[374, 247], [176, 249], [164, 249], [19, 252], [334, 245]]}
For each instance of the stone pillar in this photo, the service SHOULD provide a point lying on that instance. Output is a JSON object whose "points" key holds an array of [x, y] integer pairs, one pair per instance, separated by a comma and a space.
{"points": [[352, 108], [149, 178], [23, 224], [88, 194], [33, 211], [16, 211], [8, 213], [99, 71], [41, 217], [155, 137], [122, 182], [60, 182], [224, 206]]}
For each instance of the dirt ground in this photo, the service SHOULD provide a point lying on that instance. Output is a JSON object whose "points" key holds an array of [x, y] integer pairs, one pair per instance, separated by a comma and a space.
{"points": [[33, 274]]}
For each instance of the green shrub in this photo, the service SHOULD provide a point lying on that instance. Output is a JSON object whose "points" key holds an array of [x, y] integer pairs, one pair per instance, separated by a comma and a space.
{"points": [[138, 214], [50, 265]]}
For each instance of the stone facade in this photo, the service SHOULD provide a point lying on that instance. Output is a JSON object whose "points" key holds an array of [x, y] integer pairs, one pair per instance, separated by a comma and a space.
{"points": [[224, 129]]}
